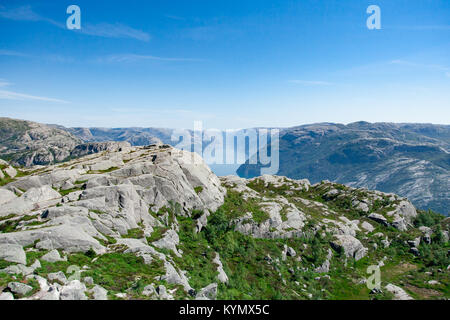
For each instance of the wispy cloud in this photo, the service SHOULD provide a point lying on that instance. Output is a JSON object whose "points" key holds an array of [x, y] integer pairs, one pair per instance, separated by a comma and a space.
{"points": [[173, 17], [11, 95], [129, 57], [201, 33], [117, 30], [418, 28], [435, 67], [12, 53], [24, 13], [107, 30], [311, 82], [46, 57], [4, 83]]}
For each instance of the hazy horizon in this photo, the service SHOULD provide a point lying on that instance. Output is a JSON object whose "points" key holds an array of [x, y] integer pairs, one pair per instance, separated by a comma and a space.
{"points": [[187, 128]]}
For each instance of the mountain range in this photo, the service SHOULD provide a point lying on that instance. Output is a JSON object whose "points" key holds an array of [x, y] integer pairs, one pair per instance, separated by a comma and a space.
{"points": [[411, 160]]}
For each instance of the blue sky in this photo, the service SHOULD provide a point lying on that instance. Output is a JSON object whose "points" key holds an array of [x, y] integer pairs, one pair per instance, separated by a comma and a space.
{"points": [[230, 64]]}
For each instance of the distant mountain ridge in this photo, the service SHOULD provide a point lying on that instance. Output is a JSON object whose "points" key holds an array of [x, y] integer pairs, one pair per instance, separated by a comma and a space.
{"points": [[412, 160], [29, 143], [135, 136]]}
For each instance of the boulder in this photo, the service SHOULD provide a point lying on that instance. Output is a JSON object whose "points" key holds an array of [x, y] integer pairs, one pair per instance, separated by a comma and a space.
{"points": [[19, 288], [208, 293], [222, 275], [57, 276], [427, 233], [88, 280], [398, 292], [378, 218], [367, 226], [406, 210], [172, 276], [325, 267], [22, 269], [99, 293], [10, 171], [74, 290], [291, 252], [6, 296], [52, 256], [351, 246], [161, 291], [414, 243], [169, 241], [13, 253], [149, 290], [400, 224]]}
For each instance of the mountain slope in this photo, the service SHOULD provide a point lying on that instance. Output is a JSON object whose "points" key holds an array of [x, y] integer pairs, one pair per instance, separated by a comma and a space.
{"points": [[29, 143], [135, 136], [149, 223], [408, 159]]}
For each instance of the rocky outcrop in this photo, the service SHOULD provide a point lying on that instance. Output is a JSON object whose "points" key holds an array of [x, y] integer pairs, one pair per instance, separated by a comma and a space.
{"points": [[96, 147], [13, 253], [398, 292], [29, 143], [157, 218], [351, 246]]}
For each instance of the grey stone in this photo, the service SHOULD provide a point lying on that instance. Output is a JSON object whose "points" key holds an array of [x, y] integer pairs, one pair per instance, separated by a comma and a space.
{"points": [[169, 241], [367, 226], [400, 224], [398, 292], [6, 196], [291, 252], [88, 280], [20, 269], [149, 290], [351, 246], [209, 292], [99, 293], [74, 290], [222, 275], [52, 256], [378, 218], [162, 293], [415, 251], [6, 296], [71, 238], [414, 243], [57, 276], [10, 171], [19, 288], [13, 253]]}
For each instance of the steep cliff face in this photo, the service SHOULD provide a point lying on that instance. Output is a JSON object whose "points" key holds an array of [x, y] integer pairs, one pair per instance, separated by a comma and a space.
{"points": [[155, 223]]}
